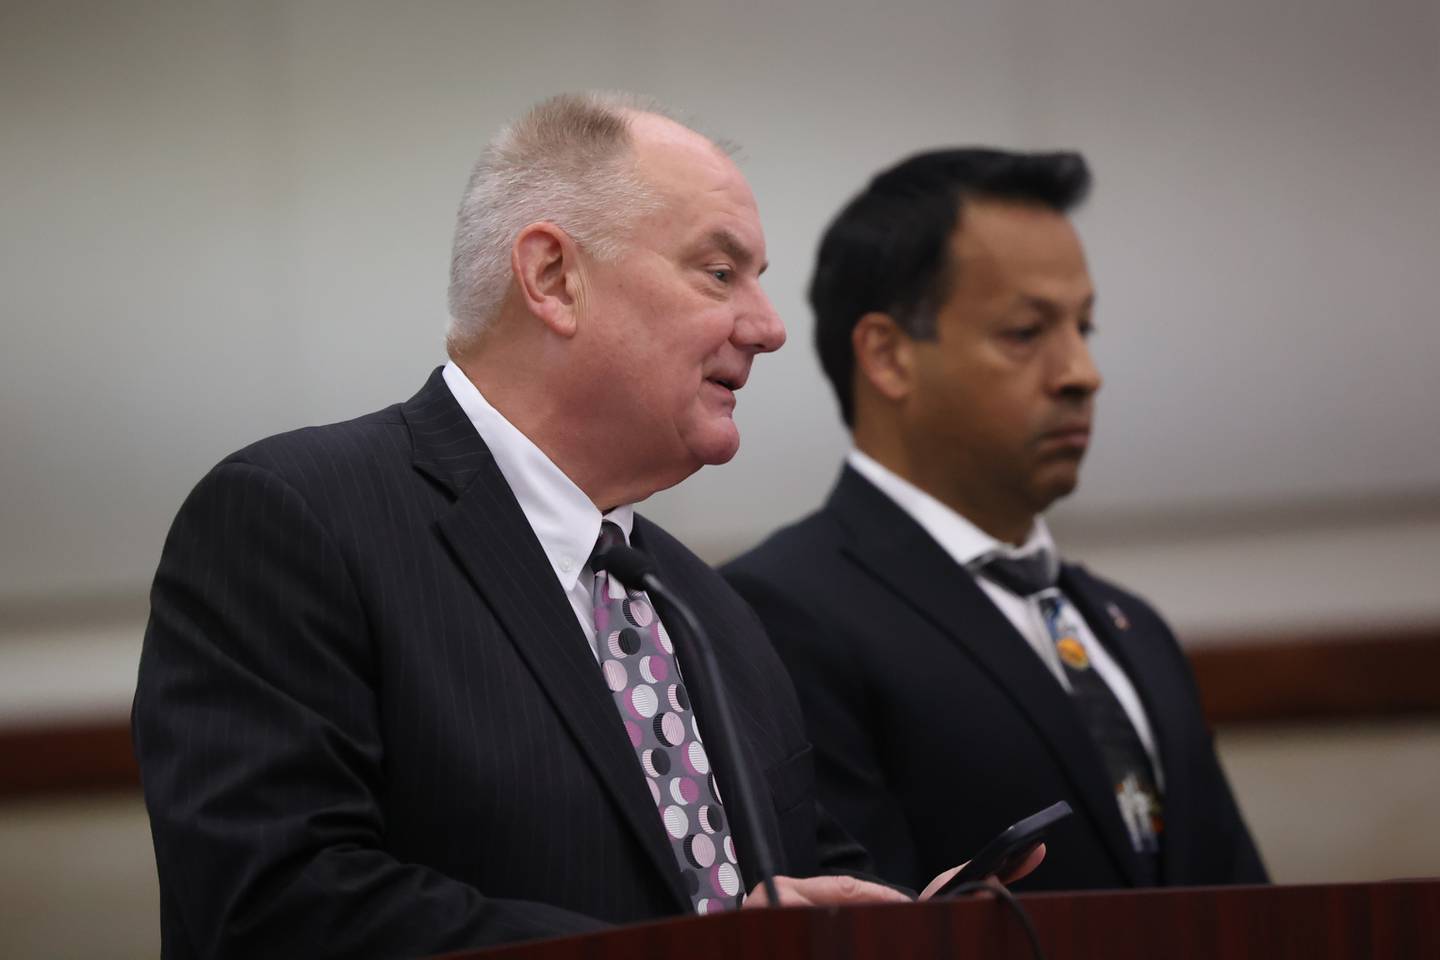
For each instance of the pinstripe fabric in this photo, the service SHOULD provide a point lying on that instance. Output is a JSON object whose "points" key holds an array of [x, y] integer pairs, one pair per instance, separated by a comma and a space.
{"points": [[369, 725]]}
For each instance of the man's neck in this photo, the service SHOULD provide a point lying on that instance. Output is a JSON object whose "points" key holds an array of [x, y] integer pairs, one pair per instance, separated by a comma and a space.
{"points": [[515, 389], [996, 515]]}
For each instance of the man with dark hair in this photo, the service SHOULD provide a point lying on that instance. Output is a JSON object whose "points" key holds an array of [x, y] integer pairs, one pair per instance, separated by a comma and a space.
{"points": [[955, 674]]}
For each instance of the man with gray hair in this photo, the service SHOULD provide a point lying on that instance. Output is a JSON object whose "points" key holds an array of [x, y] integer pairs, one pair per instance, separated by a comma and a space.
{"points": [[386, 706]]}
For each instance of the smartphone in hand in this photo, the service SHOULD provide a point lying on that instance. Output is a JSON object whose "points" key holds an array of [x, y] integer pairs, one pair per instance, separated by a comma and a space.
{"points": [[1008, 850]]}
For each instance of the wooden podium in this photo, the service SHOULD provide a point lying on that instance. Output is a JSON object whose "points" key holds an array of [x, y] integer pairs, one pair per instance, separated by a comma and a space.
{"points": [[1399, 920]]}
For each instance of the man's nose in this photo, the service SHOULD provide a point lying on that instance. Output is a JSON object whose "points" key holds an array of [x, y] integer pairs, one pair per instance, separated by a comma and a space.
{"points": [[760, 329], [1076, 372]]}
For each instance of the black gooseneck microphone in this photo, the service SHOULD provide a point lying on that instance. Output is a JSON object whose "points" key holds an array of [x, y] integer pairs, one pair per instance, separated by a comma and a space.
{"points": [[634, 567]]}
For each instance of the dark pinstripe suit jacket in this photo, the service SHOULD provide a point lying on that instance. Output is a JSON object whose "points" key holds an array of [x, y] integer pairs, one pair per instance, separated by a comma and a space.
{"points": [[369, 725]]}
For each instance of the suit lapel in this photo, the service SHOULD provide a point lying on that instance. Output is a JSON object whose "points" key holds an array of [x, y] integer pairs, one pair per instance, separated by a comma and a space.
{"points": [[492, 541], [1147, 664], [891, 547]]}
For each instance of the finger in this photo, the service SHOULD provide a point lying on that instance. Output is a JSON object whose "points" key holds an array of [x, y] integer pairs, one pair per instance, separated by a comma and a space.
{"points": [[940, 880], [841, 890], [785, 889], [1030, 863]]}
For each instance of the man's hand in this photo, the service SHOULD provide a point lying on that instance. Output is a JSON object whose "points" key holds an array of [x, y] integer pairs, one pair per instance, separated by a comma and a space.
{"points": [[1031, 862], [824, 892]]}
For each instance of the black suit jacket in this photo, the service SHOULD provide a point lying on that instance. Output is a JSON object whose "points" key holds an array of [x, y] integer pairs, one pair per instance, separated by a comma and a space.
{"points": [[368, 723], [936, 725]]}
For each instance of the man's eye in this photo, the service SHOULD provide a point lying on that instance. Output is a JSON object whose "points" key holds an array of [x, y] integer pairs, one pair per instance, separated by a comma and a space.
{"points": [[1023, 334], [721, 274]]}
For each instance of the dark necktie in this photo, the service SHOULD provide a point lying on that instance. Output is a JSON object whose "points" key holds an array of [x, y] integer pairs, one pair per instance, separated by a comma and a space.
{"points": [[1128, 765], [639, 666]]}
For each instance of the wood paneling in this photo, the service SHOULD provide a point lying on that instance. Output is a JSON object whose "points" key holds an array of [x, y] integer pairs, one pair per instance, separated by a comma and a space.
{"points": [[1275, 679], [66, 758], [1328, 678], [1337, 922]]}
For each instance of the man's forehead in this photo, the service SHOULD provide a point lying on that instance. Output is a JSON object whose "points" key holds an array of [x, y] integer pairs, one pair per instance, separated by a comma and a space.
{"points": [[1014, 235], [654, 129], [698, 178], [996, 227], [1019, 253], [664, 148]]}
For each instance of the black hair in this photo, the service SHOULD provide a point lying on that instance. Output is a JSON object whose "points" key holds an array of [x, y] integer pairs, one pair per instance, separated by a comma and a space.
{"points": [[887, 251]]}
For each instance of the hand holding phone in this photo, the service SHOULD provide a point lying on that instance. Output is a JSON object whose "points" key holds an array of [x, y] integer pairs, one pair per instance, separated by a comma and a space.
{"points": [[1007, 851]]}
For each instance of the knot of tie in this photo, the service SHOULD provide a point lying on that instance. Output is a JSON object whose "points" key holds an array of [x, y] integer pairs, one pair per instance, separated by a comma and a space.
{"points": [[1022, 576], [610, 536]]}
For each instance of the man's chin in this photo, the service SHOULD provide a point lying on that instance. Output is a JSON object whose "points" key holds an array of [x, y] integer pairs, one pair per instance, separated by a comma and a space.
{"points": [[1057, 482], [721, 455], [719, 444]]}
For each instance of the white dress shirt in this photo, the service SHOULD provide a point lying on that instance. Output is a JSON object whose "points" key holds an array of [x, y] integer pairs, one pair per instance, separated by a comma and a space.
{"points": [[969, 546], [565, 521]]}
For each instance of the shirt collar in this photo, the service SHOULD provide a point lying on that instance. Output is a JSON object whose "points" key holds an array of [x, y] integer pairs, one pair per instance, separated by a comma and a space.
{"points": [[564, 519], [966, 543]]}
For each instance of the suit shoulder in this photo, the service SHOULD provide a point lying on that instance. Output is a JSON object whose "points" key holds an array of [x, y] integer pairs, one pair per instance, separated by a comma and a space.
{"points": [[679, 561], [1100, 586], [789, 552], [798, 582], [1129, 605], [365, 442], [681, 566]]}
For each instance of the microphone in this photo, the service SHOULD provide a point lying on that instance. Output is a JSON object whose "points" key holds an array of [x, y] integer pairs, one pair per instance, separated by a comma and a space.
{"points": [[634, 567]]}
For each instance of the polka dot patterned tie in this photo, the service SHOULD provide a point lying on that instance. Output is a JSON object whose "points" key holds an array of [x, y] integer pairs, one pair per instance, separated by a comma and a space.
{"points": [[638, 662]]}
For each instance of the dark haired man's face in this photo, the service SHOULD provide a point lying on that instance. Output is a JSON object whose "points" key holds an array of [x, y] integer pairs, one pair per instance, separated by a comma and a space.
{"points": [[1003, 397]]}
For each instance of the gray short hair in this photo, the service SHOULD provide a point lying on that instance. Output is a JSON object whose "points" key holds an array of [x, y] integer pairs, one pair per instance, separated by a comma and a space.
{"points": [[567, 161]]}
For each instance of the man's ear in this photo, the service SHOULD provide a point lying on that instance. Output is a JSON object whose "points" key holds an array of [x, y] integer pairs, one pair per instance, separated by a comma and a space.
{"points": [[884, 355], [546, 264]]}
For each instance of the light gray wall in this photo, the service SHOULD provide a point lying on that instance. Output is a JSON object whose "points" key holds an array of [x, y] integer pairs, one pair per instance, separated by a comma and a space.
{"points": [[222, 220]]}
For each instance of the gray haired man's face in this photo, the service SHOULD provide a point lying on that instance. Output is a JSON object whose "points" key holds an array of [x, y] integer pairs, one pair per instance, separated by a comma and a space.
{"points": [[673, 324]]}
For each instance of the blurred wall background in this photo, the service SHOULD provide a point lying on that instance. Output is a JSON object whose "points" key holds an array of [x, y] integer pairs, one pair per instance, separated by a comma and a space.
{"points": [[222, 220]]}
